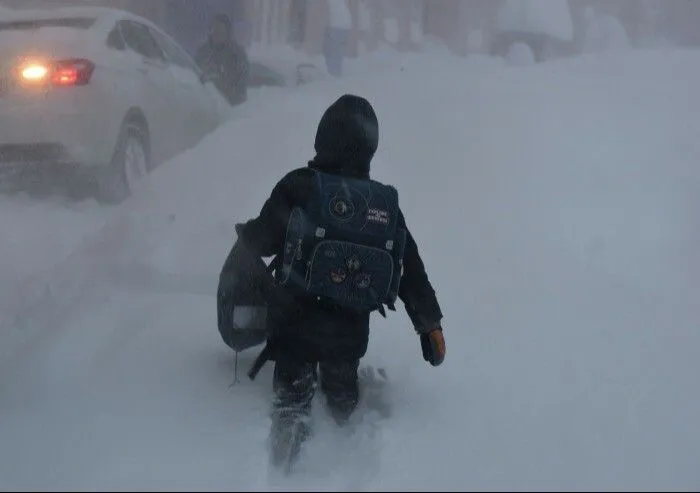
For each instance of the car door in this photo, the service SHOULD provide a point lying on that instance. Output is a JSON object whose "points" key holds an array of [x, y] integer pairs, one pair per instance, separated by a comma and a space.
{"points": [[159, 96], [194, 103]]}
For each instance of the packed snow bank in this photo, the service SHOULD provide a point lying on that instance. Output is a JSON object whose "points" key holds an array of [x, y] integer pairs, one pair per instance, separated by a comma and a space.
{"points": [[550, 17], [286, 60], [556, 210], [520, 54], [604, 32]]}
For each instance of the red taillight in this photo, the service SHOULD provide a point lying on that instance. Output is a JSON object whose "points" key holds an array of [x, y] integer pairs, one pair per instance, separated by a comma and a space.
{"points": [[75, 72], [63, 73]]}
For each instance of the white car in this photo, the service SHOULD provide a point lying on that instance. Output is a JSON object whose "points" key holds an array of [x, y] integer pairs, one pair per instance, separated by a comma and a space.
{"points": [[100, 92]]}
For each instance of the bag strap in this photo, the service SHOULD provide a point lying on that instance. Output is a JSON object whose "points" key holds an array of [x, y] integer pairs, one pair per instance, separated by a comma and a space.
{"points": [[275, 264], [266, 354]]}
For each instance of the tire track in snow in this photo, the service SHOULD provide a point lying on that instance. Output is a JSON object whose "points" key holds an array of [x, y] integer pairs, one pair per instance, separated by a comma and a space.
{"points": [[42, 301]]}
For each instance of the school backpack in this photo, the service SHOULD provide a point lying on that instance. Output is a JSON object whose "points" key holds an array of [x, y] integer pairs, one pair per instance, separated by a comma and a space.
{"points": [[345, 245]]}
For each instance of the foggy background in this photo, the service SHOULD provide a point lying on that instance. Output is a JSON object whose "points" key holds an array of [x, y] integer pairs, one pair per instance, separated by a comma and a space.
{"points": [[556, 207], [465, 26]]}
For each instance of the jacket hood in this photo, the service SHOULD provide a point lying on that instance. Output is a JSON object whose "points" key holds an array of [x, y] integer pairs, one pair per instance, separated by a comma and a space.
{"points": [[225, 20], [347, 137]]}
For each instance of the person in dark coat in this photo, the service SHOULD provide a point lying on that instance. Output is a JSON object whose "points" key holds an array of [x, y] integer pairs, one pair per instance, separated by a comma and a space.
{"points": [[307, 333], [224, 61]]}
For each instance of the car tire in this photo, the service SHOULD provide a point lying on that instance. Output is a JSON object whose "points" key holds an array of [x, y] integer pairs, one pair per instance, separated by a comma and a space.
{"points": [[130, 164]]}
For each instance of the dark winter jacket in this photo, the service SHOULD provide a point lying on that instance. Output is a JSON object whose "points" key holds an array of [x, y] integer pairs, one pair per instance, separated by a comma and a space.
{"points": [[346, 141], [228, 67]]}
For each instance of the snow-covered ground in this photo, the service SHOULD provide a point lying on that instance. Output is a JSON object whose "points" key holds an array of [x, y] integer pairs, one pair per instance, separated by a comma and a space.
{"points": [[556, 207], [39, 233]]}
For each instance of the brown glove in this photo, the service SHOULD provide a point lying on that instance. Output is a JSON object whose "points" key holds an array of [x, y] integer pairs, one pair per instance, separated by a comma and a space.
{"points": [[433, 345]]}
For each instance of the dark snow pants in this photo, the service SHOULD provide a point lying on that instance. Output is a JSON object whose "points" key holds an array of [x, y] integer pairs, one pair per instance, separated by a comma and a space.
{"points": [[295, 384]]}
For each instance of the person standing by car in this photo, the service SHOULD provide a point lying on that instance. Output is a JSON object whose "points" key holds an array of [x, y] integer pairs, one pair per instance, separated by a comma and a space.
{"points": [[225, 62]]}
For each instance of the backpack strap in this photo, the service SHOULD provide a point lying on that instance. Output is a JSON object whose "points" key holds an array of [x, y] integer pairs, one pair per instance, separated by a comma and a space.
{"points": [[266, 354], [275, 264]]}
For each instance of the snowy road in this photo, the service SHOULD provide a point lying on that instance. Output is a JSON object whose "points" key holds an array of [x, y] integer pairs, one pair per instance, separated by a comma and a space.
{"points": [[556, 208]]}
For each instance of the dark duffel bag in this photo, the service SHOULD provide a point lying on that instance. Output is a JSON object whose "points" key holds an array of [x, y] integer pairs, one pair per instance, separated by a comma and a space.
{"points": [[244, 287]]}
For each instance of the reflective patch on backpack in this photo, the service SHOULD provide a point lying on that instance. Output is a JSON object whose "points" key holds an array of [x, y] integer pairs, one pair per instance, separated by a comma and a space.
{"points": [[378, 216], [354, 275], [341, 209]]}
